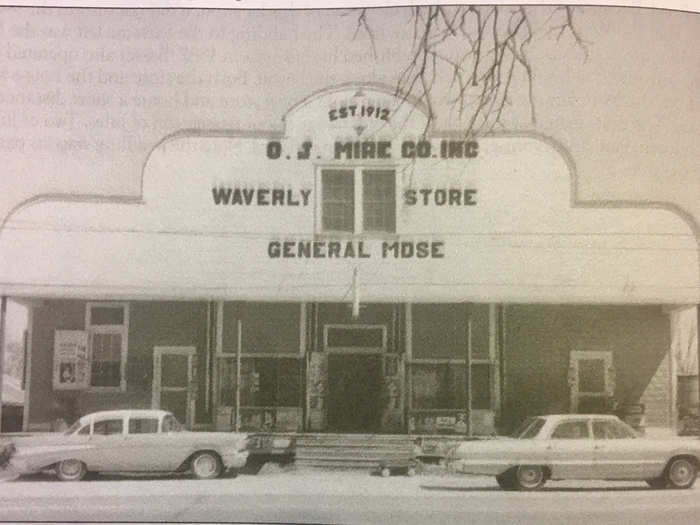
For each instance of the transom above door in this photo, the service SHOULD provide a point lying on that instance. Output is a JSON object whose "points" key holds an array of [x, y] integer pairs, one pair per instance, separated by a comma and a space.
{"points": [[354, 338]]}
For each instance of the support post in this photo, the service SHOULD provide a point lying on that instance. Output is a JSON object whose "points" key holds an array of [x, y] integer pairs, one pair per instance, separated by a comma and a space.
{"points": [[468, 371], [238, 377], [3, 315]]}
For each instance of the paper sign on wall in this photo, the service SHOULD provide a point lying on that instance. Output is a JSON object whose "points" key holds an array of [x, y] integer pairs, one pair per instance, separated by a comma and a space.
{"points": [[70, 360]]}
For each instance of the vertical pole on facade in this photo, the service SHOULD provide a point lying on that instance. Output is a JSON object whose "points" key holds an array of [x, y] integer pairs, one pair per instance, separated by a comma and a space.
{"points": [[468, 371], [3, 312], [697, 342], [355, 293], [238, 377]]}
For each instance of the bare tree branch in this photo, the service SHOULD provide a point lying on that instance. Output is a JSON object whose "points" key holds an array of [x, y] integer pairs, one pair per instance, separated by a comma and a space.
{"points": [[477, 50]]}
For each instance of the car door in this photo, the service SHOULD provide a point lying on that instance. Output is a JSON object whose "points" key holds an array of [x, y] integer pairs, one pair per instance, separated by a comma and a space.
{"points": [[570, 450], [621, 454], [107, 443], [145, 450]]}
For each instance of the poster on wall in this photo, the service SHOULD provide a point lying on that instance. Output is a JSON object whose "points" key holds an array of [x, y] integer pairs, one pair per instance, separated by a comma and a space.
{"points": [[70, 360]]}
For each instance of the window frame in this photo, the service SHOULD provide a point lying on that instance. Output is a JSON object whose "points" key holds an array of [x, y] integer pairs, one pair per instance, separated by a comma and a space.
{"points": [[559, 424], [355, 349], [358, 190], [122, 330]]}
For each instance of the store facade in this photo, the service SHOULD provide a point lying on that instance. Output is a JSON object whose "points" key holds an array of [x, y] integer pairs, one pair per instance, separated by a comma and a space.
{"points": [[356, 271]]}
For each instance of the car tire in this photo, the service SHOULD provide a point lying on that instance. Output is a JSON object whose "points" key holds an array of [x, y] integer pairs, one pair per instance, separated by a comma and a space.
{"points": [[71, 470], [529, 477], [206, 465], [506, 480], [681, 473]]}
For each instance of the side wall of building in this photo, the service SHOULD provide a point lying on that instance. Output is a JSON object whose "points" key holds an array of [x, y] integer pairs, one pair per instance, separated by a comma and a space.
{"points": [[151, 324], [539, 340]]}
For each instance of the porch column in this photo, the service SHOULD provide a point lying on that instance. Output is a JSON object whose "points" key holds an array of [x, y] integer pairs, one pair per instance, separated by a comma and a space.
{"points": [[3, 314]]}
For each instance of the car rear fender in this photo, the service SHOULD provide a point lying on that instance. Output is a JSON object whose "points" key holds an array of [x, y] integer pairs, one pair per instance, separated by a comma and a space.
{"points": [[185, 465]]}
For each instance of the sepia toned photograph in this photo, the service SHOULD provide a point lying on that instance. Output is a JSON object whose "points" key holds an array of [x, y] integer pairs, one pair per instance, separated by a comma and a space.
{"points": [[346, 263]]}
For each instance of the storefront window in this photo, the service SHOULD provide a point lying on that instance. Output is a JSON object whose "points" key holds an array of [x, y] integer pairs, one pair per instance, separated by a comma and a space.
{"points": [[265, 382], [443, 386]]}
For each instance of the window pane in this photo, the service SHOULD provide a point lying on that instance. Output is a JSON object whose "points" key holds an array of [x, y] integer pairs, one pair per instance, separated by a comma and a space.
{"points": [[106, 315], [107, 373], [438, 386], [480, 330], [143, 425], [338, 196], [289, 379], [571, 430], [591, 375], [379, 200], [106, 347], [355, 338], [174, 370], [611, 430], [106, 359], [107, 427], [481, 386]]}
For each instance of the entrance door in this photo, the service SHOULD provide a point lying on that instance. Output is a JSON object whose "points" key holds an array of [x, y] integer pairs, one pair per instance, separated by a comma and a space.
{"points": [[354, 388], [591, 380], [172, 381]]}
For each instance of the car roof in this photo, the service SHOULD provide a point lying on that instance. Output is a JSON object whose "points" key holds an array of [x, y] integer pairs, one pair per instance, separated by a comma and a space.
{"points": [[563, 417], [120, 414]]}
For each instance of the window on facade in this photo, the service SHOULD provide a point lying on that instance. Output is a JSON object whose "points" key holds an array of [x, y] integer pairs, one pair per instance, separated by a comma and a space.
{"points": [[107, 329], [270, 382], [443, 386], [108, 427], [338, 208], [143, 425], [378, 201], [358, 200], [571, 430], [265, 382]]}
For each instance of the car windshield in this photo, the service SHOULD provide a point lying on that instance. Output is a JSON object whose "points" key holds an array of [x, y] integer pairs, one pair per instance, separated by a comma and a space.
{"points": [[529, 428], [170, 424], [73, 428]]}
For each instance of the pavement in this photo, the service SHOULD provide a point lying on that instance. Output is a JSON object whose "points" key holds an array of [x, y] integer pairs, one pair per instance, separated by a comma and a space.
{"points": [[288, 495]]}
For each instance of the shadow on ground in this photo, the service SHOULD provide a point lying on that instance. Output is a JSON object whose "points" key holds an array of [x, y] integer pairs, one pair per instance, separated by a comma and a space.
{"points": [[543, 489]]}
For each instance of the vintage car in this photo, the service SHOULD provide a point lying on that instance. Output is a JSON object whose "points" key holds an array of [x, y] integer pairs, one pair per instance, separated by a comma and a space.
{"points": [[576, 446], [129, 441]]}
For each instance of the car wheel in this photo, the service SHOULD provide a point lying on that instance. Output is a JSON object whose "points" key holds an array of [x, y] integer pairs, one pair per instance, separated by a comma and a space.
{"points": [[657, 483], [529, 477], [505, 480], [385, 472], [681, 473], [71, 470], [206, 465]]}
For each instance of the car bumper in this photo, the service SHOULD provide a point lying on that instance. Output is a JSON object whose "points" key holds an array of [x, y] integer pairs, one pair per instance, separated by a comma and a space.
{"points": [[235, 459]]}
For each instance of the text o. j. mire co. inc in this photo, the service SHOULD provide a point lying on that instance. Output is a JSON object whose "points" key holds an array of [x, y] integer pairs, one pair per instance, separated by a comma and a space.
{"points": [[356, 249]]}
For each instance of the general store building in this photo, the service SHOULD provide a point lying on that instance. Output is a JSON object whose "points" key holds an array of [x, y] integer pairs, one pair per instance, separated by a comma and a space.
{"points": [[353, 270]]}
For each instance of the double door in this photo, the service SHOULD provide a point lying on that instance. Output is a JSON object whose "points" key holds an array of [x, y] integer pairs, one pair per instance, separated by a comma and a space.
{"points": [[354, 392]]}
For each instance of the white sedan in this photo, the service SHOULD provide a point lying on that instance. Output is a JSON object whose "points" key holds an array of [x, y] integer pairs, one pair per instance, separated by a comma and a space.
{"points": [[129, 441], [576, 446]]}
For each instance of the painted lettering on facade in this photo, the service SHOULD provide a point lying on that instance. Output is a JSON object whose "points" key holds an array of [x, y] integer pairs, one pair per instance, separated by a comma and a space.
{"points": [[380, 149], [355, 249]]}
